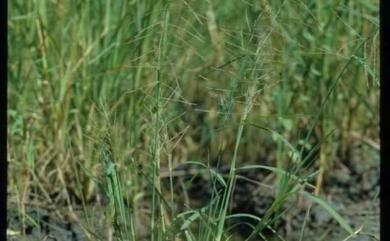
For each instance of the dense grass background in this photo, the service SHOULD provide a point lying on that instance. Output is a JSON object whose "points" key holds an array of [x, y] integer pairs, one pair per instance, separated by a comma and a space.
{"points": [[106, 96]]}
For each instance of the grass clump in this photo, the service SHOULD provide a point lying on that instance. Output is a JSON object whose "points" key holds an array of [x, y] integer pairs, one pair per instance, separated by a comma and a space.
{"points": [[193, 91]]}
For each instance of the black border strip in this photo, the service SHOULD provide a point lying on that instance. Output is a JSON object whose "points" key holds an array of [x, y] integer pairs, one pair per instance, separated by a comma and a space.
{"points": [[384, 118], [3, 121]]}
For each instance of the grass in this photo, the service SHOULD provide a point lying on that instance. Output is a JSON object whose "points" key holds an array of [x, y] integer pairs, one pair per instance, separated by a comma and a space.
{"points": [[104, 97]]}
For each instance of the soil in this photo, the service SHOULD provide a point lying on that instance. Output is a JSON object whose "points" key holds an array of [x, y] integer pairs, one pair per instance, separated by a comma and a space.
{"points": [[352, 188]]}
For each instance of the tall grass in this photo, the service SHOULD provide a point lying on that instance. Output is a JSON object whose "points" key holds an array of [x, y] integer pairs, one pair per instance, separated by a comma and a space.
{"points": [[184, 82]]}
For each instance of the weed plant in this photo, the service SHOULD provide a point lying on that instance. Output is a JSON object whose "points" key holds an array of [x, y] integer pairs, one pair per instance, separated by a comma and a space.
{"points": [[106, 99]]}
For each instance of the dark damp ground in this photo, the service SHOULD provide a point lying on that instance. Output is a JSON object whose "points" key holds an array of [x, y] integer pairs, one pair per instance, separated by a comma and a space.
{"points": [[352, 188], [41, 225]]}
